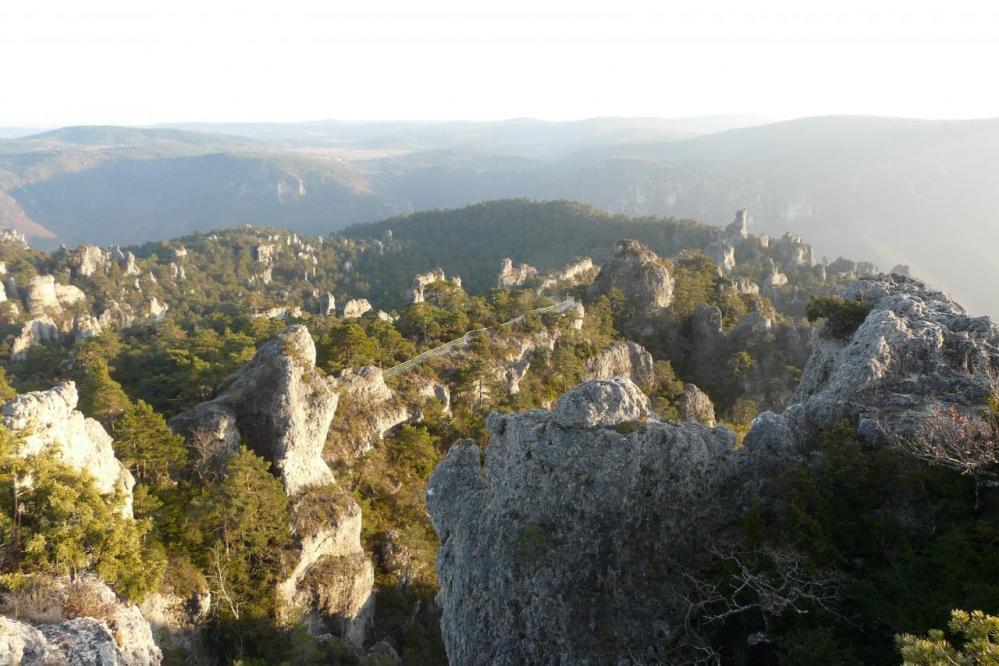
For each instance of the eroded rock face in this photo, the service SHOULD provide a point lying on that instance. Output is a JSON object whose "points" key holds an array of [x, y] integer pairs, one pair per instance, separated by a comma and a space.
{"points": [[560, 530], [639, 274], [119, 637], [415, 293], [695, 405], [514, 276], [279, 405], [917, 350], [35, 331], [42, 294], [91, 259], [49, 418], [602, 403], [573, 273], [355, 308], [623, 359]]}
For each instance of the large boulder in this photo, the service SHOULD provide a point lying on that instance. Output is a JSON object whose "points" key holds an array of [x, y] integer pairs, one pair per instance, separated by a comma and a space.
{"points": [[279, 405], [695, 405], [639, 274], [623, 359], [50, 419]]}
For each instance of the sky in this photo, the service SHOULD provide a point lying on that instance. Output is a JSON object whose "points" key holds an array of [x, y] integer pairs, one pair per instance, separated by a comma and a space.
{"points": [[139, 62]]}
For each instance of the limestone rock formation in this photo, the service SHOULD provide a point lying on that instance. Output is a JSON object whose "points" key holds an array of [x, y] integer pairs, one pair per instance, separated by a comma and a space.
{"points": [[790, 250], [157, 309], [90, 260], [916, 352], [514, 276], [695, 405], [49, 418], [723, 255], [415, 293], [279, 405], [125, 260], [178, 623], [355, 308], [282, 407], [327, 304], [602, 403], [42, 294], [902, 269], [574, 273], [639, 274], [120, 636], [370, 411], [623, 359], [560, 530], [85, 326], [33, 332], [738, 229]]}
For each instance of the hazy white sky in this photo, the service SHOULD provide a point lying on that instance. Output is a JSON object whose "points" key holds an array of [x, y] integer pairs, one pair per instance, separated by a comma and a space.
{"points": [[139, 61]]}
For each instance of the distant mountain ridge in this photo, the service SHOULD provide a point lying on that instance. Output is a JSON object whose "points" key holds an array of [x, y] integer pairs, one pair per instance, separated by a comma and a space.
{"points": [[906, 191]]}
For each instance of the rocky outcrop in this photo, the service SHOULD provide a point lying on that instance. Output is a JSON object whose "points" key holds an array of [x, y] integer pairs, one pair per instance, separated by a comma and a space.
{"points": [[723, 255], [42, 295], [118, 636], [282, 407], [738, 229], [49, 419], [90, 260], [415, 293], [355, 308], [639, 274], [35, 331], [790, 250], [917, 354], [572, 274], [177, 623], [549, 551], [327, 304], [125, 260], [279, 405], [85, 326], [514, 276], [695, 405], [157, 309], [623, 359], [766, 351]]}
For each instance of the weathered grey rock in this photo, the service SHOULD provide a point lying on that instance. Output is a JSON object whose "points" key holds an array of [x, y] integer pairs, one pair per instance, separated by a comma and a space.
{"points": [[327, 304], [157, 310], [602, 403], [86, 326], [574, 273], [68, 294], [415, 293], [640, 275], [35, 331], [723, 255], [90, 259], [125, 260], [514, 276], [355, 308], [901, 269], [49, 418], [10, 285], [790, 250], [695, 405], [738, 229], [623, 359], [280, 406], [42, 295], [178, 624], [562, 529], [917, 351]]}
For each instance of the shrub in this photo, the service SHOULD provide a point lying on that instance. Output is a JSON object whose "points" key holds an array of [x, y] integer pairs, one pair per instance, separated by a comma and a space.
{"points": [[842, 316]]}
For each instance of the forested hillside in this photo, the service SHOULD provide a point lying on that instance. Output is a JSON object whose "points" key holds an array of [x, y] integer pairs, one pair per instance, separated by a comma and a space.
{"points": [[203, 462]]}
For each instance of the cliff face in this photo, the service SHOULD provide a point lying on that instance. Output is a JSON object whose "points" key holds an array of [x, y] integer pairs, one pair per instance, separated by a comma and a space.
{"points": [[282, 407], [570, 543], [279, 405], [49, 418]]}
